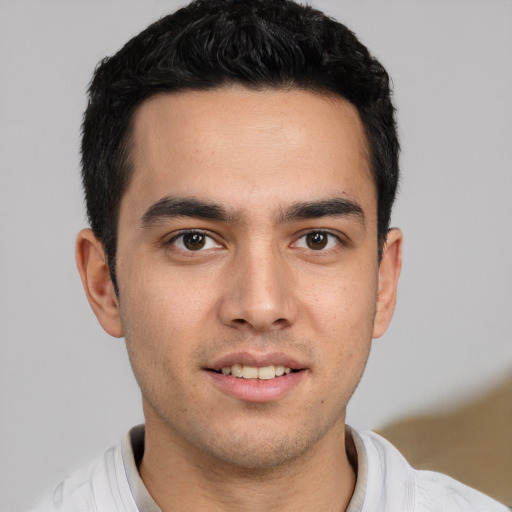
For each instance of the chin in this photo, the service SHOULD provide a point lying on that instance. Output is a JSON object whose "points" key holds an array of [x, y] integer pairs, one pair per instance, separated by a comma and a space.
{"points": [[262, 449], [260, 455]]}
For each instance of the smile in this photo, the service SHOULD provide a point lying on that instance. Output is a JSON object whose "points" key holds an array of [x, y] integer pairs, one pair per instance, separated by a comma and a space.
{"points": [[255, 372], [252, 377]]}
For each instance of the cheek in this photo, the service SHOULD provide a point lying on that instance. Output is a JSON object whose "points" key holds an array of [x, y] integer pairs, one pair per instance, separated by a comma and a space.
{"points": [[343, 301], [342, 318], [166, 316], [165, 303]]}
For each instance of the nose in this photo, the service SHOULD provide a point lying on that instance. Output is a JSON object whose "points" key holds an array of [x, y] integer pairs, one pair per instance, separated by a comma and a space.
{"points": [[258, 293]]}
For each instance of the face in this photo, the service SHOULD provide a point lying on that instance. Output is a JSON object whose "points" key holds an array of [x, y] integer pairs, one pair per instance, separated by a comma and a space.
{"points": [[247, 269]]}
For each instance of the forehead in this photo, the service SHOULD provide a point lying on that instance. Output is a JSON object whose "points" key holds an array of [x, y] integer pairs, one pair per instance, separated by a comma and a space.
{"points": [[248, 148]]}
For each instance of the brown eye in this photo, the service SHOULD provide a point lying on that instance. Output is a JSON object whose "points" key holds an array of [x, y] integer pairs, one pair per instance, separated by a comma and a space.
{"points": [[316, 241], [194, 241]]}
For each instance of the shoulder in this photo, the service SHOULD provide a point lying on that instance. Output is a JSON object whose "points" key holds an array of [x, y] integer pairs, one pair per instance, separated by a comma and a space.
{"points": [[404, 488], [87, 489], [73, 493]]}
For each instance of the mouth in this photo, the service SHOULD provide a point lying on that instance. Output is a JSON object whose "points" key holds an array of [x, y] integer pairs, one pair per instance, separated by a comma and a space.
{"points": [[257, 378]]}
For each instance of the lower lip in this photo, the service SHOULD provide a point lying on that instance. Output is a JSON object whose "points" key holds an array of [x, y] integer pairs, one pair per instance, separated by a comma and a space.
{"points": [[257, 390]]}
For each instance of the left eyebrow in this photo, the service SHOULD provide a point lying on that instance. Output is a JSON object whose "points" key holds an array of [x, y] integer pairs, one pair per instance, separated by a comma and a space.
{"points": [[335, 207]]}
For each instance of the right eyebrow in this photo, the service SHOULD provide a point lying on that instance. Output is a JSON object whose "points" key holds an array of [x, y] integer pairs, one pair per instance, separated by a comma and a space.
{"points": [[171, 207]]}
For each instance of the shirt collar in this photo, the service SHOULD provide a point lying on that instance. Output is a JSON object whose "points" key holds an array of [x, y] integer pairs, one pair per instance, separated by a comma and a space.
{"points": [[132, 449]]}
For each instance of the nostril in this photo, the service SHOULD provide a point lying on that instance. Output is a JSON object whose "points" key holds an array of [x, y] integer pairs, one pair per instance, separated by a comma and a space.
{"points": [[280, 323]]}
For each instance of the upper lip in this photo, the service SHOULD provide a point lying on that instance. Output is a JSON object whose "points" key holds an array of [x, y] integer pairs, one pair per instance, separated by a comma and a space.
{"points": [[258, 360]]}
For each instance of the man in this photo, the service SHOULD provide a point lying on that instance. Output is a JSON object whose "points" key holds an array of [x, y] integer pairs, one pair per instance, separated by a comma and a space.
{"points": [[240, 162]]}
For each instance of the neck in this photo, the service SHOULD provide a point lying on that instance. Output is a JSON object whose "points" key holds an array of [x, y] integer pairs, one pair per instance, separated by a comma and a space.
{"points": [[180, 477]]}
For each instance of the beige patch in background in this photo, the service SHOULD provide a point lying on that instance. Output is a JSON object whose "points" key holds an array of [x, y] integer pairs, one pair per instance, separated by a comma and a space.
{"points": [[472, 443]]}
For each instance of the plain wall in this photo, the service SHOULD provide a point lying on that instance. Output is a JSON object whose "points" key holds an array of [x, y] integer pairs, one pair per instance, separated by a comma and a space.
{"points": [[66, 388]]}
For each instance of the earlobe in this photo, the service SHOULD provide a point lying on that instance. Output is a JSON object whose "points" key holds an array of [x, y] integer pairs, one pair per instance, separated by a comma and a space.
{"points": [[389, 272], [93, 269]]}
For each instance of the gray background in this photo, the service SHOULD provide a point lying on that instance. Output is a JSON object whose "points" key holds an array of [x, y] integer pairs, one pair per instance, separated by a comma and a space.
{"points": [[66, 388]]}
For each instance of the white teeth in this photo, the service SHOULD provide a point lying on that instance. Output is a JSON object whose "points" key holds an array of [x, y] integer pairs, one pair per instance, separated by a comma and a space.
{"points": [[254, 372], [250, 372], [266, 372], [236, 370]]}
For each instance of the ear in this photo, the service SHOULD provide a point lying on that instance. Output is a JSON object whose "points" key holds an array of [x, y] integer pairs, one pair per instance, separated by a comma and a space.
{"points": [[389, 272], [92, 266]]}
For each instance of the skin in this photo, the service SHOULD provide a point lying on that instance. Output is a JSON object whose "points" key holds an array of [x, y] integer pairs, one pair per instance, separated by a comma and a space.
{"points": [[257, 286]]}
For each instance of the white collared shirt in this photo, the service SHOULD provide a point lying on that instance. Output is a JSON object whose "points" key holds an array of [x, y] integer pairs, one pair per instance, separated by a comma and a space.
{"points": [[385, 483]]}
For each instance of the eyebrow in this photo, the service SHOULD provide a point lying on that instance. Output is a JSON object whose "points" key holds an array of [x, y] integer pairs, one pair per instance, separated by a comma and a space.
{"points": [[171, 207], [335, 207]]}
